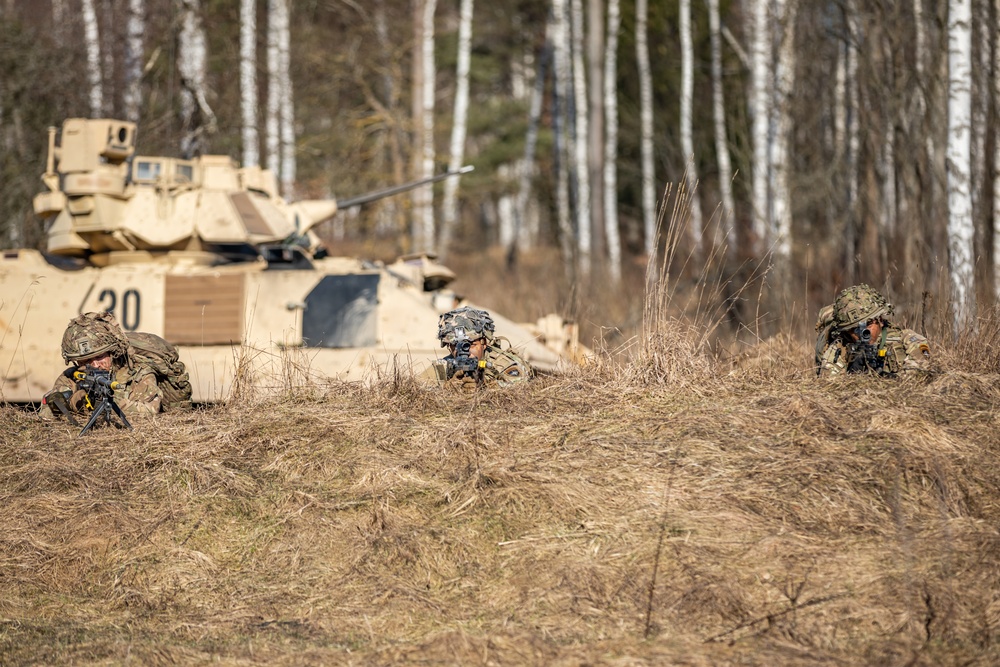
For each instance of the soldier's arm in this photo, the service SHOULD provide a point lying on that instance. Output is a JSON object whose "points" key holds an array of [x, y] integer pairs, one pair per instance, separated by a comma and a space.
{"points": [[142, 397], [918, 352], [834, 360], [510, 369], [64, 382]]}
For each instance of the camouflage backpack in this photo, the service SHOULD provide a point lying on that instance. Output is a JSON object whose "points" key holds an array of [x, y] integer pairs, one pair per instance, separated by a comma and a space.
{"points": [[150, 350]]}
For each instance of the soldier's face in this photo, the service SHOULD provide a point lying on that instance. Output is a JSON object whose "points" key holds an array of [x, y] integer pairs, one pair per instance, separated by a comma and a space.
{"points": [[874, 327], [476, 348], [101, 362]]}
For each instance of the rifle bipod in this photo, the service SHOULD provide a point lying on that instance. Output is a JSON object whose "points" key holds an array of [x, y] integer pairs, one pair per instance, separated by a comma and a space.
{"points": [[106, 407]]}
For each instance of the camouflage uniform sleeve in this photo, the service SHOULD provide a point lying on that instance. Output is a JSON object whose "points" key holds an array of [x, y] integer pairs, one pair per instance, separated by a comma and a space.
{"points": [[506, 368], [63, 383], [834, 360], [141, 396], [918, 352]]}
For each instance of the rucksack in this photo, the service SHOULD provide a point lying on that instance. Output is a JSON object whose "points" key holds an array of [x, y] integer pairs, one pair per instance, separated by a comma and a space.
{"points": [[171, 376]]}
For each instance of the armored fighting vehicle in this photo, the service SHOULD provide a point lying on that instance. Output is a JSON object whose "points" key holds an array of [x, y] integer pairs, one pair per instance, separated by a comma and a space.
{"points": [[209, 256]]}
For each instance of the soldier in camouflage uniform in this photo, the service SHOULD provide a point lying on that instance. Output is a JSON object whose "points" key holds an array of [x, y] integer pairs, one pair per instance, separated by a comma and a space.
{"points": [[96, 341], [856, 337], [496, 366]]}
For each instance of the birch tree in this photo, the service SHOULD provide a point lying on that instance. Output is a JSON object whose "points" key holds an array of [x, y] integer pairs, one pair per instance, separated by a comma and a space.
{"points": [[561, 88], [646, 127], [687, 144], [527, 172], [784, 82], [91, 38], [248, 82], [596, 67], [427, 163], [196, 115], [287, 96], [580, 142], [760, 109], [460, 117], [611, 145], [960, 226], [135, 30], [719, 121]]}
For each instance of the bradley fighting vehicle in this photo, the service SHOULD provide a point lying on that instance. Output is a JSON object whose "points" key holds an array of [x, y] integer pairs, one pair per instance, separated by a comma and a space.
{"points": [[209, 256]]}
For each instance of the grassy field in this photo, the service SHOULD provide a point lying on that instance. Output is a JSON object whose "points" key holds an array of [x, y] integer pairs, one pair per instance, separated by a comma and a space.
{"points": [[662, 510]]}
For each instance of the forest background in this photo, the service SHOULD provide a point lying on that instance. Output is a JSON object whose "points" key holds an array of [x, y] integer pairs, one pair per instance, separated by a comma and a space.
{"points": [[825, 143]]}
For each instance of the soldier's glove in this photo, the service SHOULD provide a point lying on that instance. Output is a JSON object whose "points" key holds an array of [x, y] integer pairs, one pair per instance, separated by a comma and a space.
{"points": [[77, 401], [463, 384]]}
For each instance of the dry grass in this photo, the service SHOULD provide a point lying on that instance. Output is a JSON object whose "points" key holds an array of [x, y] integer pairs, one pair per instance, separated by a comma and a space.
{"points": [[751, 515], [673, 503]]}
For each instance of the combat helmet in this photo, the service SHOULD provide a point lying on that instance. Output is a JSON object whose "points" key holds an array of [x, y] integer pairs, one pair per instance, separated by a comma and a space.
{"points": [[92, 334], [464, 323], [857, 304]]}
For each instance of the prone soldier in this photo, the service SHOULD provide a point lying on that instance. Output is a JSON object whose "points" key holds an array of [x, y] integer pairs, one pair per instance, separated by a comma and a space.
{"points": [[476, 356]]}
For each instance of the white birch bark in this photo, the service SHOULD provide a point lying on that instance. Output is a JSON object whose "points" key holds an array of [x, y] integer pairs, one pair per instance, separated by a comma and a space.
{"points": [[135, 29], [580, 143], [760, 111], [646, 127], [853, 135], [418, 197], [784, 83], [596, 59], [248, 82], [960, 225], [719, 120], [523, 235], [426, 214], [449, 212], [58, 13], [92, 41], [561, 72], [687, 143], [272, 109], [287, 96], [611, 233], [197, 116]]}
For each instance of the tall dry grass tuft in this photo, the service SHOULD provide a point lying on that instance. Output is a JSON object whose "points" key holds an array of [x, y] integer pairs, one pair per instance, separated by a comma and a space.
{"points": [[689, 299]]}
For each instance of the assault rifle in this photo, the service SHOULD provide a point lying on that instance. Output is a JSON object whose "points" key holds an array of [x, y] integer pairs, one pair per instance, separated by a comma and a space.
{"points": [[865, 357], [100, 390], [463, 361]]}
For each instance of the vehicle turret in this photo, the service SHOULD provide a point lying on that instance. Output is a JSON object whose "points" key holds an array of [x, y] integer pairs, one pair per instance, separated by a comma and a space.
{"points": [[107, 204]]}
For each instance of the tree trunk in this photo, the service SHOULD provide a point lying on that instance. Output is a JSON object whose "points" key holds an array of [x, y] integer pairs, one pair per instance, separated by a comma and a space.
{"points": [[419, 197], [581, 165], [721, 140], [449, 212], [286, 97], [687, 143], [521, 234], [135, 30], [611, 146], [561, 88], [783, 127], [196, 115], [760, 111], [93, 42], [248, 82], [427, 164], [596, 63], [960, 225], [646, 128]]}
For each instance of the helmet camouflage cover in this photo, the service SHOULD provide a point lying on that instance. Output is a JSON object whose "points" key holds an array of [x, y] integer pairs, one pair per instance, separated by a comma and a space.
{"points": [[858, 304], [93, 334], [464, 323]]}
